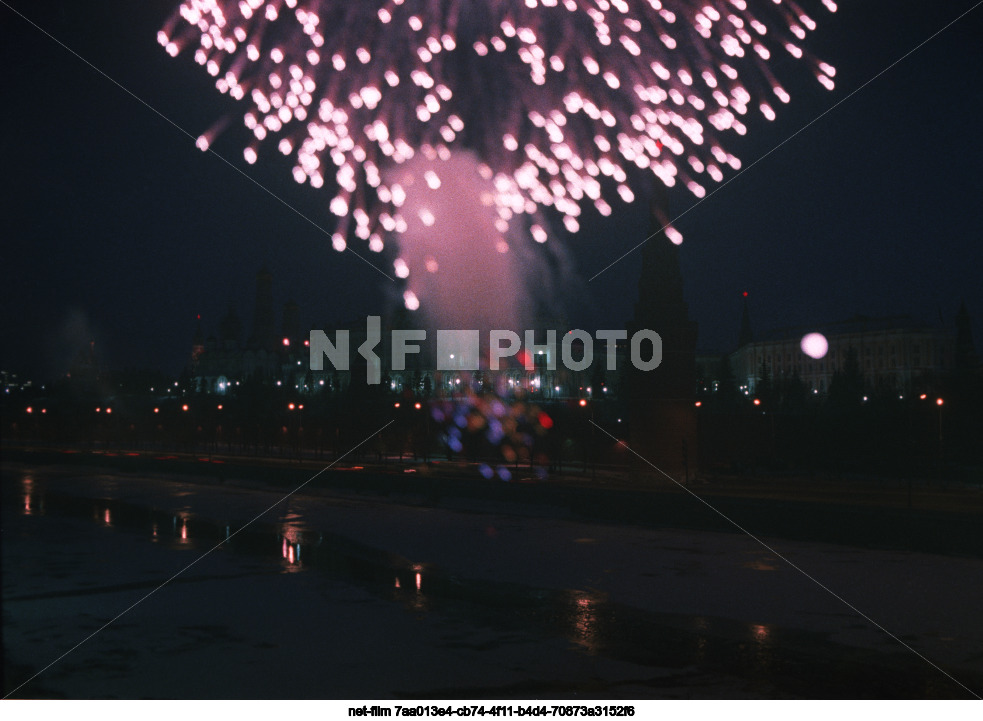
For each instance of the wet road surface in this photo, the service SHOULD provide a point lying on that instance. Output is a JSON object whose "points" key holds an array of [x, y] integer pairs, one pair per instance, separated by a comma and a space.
{"points": [[346, 598]]}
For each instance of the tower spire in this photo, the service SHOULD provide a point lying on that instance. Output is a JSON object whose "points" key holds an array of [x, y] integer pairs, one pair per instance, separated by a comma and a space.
{"points": [[661, 410]]}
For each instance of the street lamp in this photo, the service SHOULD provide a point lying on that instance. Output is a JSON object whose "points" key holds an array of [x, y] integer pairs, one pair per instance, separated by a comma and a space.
{"points": [[939, 402], [593, 443]]}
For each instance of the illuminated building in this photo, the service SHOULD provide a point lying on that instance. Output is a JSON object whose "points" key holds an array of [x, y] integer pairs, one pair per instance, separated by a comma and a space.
{"points": [[893, 354]]}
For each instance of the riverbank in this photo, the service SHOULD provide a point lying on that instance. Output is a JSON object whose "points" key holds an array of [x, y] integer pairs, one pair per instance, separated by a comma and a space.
{"points": [[856, 512]]}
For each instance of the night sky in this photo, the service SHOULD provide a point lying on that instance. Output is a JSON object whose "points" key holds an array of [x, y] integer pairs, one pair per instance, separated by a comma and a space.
{"points": [[117, 228]]}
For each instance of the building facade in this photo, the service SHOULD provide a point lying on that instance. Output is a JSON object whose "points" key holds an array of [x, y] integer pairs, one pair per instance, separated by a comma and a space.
{"points": [[281, 356], [895, 355]]}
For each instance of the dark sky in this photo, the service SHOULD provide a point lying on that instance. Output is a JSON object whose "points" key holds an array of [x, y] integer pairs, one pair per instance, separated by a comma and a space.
{"points": [[116, 227]]}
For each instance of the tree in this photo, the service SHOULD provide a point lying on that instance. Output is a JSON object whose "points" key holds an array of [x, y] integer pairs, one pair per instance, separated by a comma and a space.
{"points": [[794, 393], [847, 387], [764, 389], [727, 390]]}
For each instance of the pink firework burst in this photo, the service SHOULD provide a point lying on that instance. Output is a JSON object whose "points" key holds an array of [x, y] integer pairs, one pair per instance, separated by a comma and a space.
{"points": [[564, 102]]}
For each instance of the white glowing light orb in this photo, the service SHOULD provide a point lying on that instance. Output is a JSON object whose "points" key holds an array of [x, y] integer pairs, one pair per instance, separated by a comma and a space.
{"points": [[815, 345]]}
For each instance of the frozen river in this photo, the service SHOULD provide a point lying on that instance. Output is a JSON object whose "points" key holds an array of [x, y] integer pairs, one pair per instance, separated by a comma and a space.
{"points": [[348, 597]]}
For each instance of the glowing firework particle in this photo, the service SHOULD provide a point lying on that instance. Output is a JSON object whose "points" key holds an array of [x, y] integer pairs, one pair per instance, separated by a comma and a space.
{"points": [[815, 345], [567, 102]]}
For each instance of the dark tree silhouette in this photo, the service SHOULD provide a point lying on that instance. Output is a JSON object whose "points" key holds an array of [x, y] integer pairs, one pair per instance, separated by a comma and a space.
{"points": [[847, 387]]}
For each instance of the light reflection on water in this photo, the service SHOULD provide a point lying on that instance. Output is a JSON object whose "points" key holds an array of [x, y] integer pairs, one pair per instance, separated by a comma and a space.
{"points": [[761, 561], [27, 485], [583, 614], [761, 565], [299, 548], [411, 594], [181, 535], [292, 535], [418, 601], [768, 656], [762, 646], [583, 618]]}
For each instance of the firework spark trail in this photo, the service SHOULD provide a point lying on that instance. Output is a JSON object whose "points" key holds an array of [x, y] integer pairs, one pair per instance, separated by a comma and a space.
{"points": [[565, 102]]}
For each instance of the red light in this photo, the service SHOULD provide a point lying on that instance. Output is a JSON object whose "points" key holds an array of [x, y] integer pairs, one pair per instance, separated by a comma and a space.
{"points": [[44, 410], [923, 396], [395, 405], [300, 407], [417, 406], [938, 401], [545, 421], [286, 341], [184, 407], [307, 343], [745, 294], [757, 402], [220, 406], [583, 402], [109, 410], [98, 410], [290, 406], [30, 410], [156, 410], [699, 403]]}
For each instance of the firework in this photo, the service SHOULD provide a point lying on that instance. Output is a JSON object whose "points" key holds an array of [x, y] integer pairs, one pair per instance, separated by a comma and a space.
{"points": [[488, 426], [566, 103]]}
